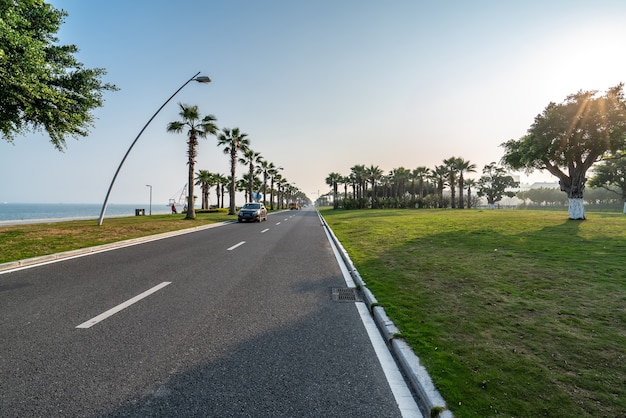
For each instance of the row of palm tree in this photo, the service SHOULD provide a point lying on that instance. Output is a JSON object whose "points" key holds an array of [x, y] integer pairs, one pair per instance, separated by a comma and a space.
{"points": [[236, 145], [280, 194], [402, 187]]}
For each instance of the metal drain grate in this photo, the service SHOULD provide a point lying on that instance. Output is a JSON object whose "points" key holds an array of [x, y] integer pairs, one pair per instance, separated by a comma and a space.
{"points": [[345, 294]]}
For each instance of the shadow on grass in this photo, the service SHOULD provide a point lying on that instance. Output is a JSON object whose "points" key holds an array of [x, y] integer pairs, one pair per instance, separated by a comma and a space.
{"points": [[528, 323]]}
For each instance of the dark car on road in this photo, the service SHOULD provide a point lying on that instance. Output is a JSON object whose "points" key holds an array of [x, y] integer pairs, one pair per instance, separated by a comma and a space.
{"points": [[252, 212]]}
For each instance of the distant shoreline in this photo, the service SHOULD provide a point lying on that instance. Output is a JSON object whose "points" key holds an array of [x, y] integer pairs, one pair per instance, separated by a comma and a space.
{"points": [[52, 220], [31, 213]]}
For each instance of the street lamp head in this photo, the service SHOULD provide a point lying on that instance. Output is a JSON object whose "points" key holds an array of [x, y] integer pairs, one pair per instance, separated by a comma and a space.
{"points": [[203, 79]]}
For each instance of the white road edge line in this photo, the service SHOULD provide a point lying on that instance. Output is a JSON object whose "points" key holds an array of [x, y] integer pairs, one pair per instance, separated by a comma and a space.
{"points": [[401, 392], [265, 230], [93, 321], [235, 246]]}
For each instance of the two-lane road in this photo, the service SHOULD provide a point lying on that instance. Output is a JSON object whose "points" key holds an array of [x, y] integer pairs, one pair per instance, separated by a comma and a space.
{"points": [[230, 321]]}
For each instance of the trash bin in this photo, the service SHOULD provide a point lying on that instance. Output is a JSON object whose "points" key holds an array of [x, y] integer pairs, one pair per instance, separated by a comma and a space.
{"points": [[140, 212]]}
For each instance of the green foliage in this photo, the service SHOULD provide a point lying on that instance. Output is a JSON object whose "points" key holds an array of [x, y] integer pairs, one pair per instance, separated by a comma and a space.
{"points": [[513, 313], [544, 196], [571, 137], [42, 85], [611, 175], [494, 183], [233, 141], [197, 127]]}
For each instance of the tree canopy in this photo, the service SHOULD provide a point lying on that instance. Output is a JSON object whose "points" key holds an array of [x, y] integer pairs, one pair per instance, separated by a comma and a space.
{"points": [[42, 85], [495, 183], [611, 174], [568, 138]]}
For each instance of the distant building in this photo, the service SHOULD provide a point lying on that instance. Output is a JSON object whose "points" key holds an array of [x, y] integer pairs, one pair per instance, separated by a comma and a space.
{"points": [[538, 185], [545, 185]]}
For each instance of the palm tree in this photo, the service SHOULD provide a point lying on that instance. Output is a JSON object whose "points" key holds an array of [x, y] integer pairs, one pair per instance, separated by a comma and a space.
{"points": [[332, 180], [463, 166], [273, 173], [205, 179], [421, 173], [469, 183], [220, 181], [439, 175], [266, 168], [241, 185], [277, 179], [282, 184], [373, 174], [198, 128], [360, 178], [452, 165], [400, 176], [352, 179], [345, 180], [233, 141], [250, 158]]}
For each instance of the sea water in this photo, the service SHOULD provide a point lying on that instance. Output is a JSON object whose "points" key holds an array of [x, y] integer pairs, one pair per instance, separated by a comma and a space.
{"points": [[37, 212]]}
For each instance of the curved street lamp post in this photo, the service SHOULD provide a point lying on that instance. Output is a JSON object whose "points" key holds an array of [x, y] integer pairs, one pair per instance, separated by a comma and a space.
{"points": [[199, 79]]}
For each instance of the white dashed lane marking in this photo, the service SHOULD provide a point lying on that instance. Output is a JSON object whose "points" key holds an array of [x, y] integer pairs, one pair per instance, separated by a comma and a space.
{"points": [[235, 246]]}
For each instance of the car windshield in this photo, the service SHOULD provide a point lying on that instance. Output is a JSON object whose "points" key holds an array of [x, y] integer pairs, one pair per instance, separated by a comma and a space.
{"points": [[252, 206]]}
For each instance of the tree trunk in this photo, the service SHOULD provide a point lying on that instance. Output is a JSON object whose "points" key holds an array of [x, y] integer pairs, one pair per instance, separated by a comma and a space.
{"points": [[452, 193], [233, 164], [272, 194], [461, 187], [491, 205], [576, 208], [624, 207], [574, 185], [191, 211]]}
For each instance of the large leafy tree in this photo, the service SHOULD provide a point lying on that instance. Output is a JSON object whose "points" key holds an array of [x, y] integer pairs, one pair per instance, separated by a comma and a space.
{"points": [[568, 138], [42, 85], [611, 175], [197, 127], [495, 183], [233, 141]]}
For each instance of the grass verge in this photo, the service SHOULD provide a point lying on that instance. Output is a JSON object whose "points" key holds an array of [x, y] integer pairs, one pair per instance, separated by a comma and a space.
{"points": [[18, 242], [513, 313]]}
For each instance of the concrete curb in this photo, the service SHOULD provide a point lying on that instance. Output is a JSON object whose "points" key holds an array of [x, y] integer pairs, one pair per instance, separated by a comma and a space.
{"points": [[29, 262], [429, 400]]}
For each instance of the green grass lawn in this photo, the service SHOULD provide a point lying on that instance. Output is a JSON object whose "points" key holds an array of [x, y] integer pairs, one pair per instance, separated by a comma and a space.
{"points": [[18, 242], [513, 313]]}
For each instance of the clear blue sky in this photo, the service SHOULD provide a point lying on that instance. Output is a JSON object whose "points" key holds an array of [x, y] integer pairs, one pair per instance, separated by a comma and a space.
{"points": [[319, 86]]}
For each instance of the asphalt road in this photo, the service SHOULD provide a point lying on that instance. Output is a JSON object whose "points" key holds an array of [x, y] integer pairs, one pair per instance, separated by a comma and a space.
{"points": [[241, 323]]}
